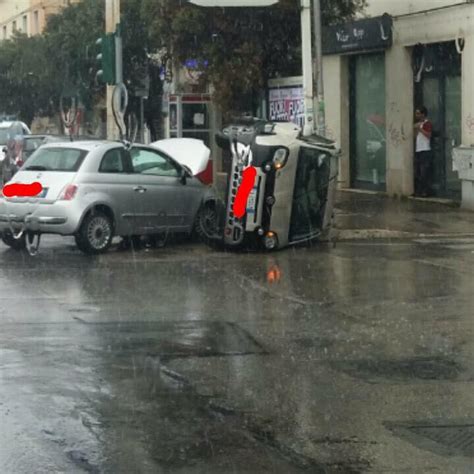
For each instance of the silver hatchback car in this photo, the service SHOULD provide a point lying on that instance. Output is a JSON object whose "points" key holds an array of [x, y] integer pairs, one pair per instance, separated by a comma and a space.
{"points": [[95, 190]]}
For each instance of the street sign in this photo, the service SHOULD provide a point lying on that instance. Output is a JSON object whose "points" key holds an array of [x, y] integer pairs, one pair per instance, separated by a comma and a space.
{"points": [[234, 3]]}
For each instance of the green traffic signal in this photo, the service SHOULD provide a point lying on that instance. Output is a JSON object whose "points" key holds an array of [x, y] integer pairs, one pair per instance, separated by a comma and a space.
{"points": [[106, 59]]}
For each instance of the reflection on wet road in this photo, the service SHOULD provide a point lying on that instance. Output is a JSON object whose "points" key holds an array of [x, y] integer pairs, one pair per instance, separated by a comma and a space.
{"points": [[357, 358]]}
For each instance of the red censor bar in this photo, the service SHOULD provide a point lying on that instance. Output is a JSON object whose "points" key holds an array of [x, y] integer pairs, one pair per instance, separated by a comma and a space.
{"points": [[22, 190], [248, 180]]}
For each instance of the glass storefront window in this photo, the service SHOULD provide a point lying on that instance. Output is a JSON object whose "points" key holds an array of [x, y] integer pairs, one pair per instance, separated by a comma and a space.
{"points": [[368, 139], [195, 116]]}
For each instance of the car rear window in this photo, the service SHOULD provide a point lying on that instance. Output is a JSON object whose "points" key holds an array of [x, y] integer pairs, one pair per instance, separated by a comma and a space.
{"points": [[56, 159]]}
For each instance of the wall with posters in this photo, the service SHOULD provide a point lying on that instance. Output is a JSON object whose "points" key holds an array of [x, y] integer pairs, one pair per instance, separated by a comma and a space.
{"points": [[286, 100]]}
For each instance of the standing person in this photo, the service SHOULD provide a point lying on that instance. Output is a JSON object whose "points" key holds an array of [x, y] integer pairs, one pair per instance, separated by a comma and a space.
{"points": [[423, 157]]}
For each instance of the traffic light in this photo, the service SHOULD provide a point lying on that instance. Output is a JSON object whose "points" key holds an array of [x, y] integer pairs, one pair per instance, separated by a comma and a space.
{"points": [[106, 59]]}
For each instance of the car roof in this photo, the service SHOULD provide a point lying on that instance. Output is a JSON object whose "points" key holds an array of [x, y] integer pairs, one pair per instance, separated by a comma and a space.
{"points": [[7, 124], [87, 145], [10, 123]]}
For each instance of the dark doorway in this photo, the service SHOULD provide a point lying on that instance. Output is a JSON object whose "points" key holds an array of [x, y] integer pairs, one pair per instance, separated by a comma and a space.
{"points": [[439, 89]]}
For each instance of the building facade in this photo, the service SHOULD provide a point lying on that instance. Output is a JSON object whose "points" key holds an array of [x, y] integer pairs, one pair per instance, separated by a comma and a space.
{"points": [[27, 16], [378, 70]]}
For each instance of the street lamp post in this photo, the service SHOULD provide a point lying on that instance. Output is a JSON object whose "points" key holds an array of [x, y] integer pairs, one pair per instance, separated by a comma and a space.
{"points": [[318, 46], [307, 59], [112, 19]]}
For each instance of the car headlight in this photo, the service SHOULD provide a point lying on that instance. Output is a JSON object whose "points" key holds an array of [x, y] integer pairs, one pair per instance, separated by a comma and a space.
{"points": [[280, 157]]}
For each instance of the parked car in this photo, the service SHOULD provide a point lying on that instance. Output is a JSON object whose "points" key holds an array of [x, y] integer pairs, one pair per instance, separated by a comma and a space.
{"points": [[95, 190], [11, 134]]}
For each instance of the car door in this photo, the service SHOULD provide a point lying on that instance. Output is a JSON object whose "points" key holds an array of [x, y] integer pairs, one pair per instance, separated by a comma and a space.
{"points": [[116, 183], [162, 200]]}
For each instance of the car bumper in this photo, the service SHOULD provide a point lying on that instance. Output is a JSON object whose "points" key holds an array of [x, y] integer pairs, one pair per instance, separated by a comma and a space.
{"points": [[57, 218]]}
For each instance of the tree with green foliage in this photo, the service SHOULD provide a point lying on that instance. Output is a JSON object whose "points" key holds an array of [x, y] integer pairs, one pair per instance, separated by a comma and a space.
{"points": [[71, 51], [38, 70], [242, 47], [25, 86]]}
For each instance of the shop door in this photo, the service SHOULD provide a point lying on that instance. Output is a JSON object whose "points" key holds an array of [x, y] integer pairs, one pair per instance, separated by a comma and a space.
{"points": [[367, 112], [440, 92]]}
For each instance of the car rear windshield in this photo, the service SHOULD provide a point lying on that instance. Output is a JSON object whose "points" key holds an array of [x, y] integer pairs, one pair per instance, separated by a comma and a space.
{"points": [[56, 159]]}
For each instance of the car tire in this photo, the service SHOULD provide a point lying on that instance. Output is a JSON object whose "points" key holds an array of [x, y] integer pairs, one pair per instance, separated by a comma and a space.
{"points": [[15, 244], [95, 234], [206, 225]]}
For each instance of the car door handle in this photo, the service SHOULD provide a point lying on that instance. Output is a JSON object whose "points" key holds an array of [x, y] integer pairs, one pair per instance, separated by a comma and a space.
{"points": [[139, 189]]}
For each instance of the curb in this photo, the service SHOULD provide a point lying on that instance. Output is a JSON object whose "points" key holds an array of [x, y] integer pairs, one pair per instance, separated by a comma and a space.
{"points": [[346, 235]]}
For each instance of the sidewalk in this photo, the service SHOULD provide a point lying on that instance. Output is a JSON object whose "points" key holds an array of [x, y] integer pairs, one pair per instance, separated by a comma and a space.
{"points": [[361, 215]]}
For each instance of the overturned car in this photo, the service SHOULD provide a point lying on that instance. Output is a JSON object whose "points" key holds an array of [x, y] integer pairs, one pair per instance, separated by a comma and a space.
{"points": [[281, 186]]}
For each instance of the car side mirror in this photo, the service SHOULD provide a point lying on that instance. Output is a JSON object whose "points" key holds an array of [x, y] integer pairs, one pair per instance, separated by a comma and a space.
{"points": [[184, 175]]}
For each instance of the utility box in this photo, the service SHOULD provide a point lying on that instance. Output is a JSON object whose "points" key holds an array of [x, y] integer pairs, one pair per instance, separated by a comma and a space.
{"points": [[463, 163]]}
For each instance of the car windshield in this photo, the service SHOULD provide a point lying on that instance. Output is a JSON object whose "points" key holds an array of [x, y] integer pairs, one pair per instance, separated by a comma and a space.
{"points": [[56, 159]]}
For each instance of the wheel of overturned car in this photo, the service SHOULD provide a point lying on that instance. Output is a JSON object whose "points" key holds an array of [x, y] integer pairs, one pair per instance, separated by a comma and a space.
{"points": [[15, 244], [206, 226], [95, 234]]}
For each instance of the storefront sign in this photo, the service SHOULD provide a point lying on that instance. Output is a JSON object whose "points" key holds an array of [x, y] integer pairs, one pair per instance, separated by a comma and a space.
{"points": [[287, 104], [361, 35]]}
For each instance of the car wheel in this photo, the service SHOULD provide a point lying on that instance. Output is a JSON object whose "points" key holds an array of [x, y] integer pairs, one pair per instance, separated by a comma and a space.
{"points": [[95, 234], [206, 226], [16, 244]]}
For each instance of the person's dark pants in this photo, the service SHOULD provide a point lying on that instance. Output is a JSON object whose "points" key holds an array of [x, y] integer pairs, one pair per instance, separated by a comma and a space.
{"points": [[423, 167]]}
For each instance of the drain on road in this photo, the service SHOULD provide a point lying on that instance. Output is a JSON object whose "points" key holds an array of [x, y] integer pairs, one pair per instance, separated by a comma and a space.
{"points": [[445, 439], [405, 370]]}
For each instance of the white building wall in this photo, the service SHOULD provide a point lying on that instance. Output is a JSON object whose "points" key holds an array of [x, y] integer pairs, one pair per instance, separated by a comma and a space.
{"points": [[399, 93], [336, 80], [403, 7], [430, 27]]}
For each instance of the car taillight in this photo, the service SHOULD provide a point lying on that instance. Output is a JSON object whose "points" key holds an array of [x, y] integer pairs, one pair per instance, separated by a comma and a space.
{"points": [[68, 193]]}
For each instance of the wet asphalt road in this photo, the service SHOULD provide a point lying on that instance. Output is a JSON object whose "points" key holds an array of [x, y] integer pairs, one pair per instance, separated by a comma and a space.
{"points": [[354, 358]]}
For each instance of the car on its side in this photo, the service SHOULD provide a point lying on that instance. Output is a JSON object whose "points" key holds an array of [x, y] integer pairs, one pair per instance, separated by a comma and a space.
{"points": [[95, 190]]}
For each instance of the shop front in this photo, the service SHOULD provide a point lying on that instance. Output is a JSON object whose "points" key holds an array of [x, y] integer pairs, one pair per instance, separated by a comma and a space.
{"points": [[361, 46], [376, 72]]}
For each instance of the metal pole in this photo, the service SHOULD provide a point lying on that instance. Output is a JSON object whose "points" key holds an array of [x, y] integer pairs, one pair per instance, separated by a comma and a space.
{"points": [[307, 59], [317, 24], [112, 19], [142, 120]]}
